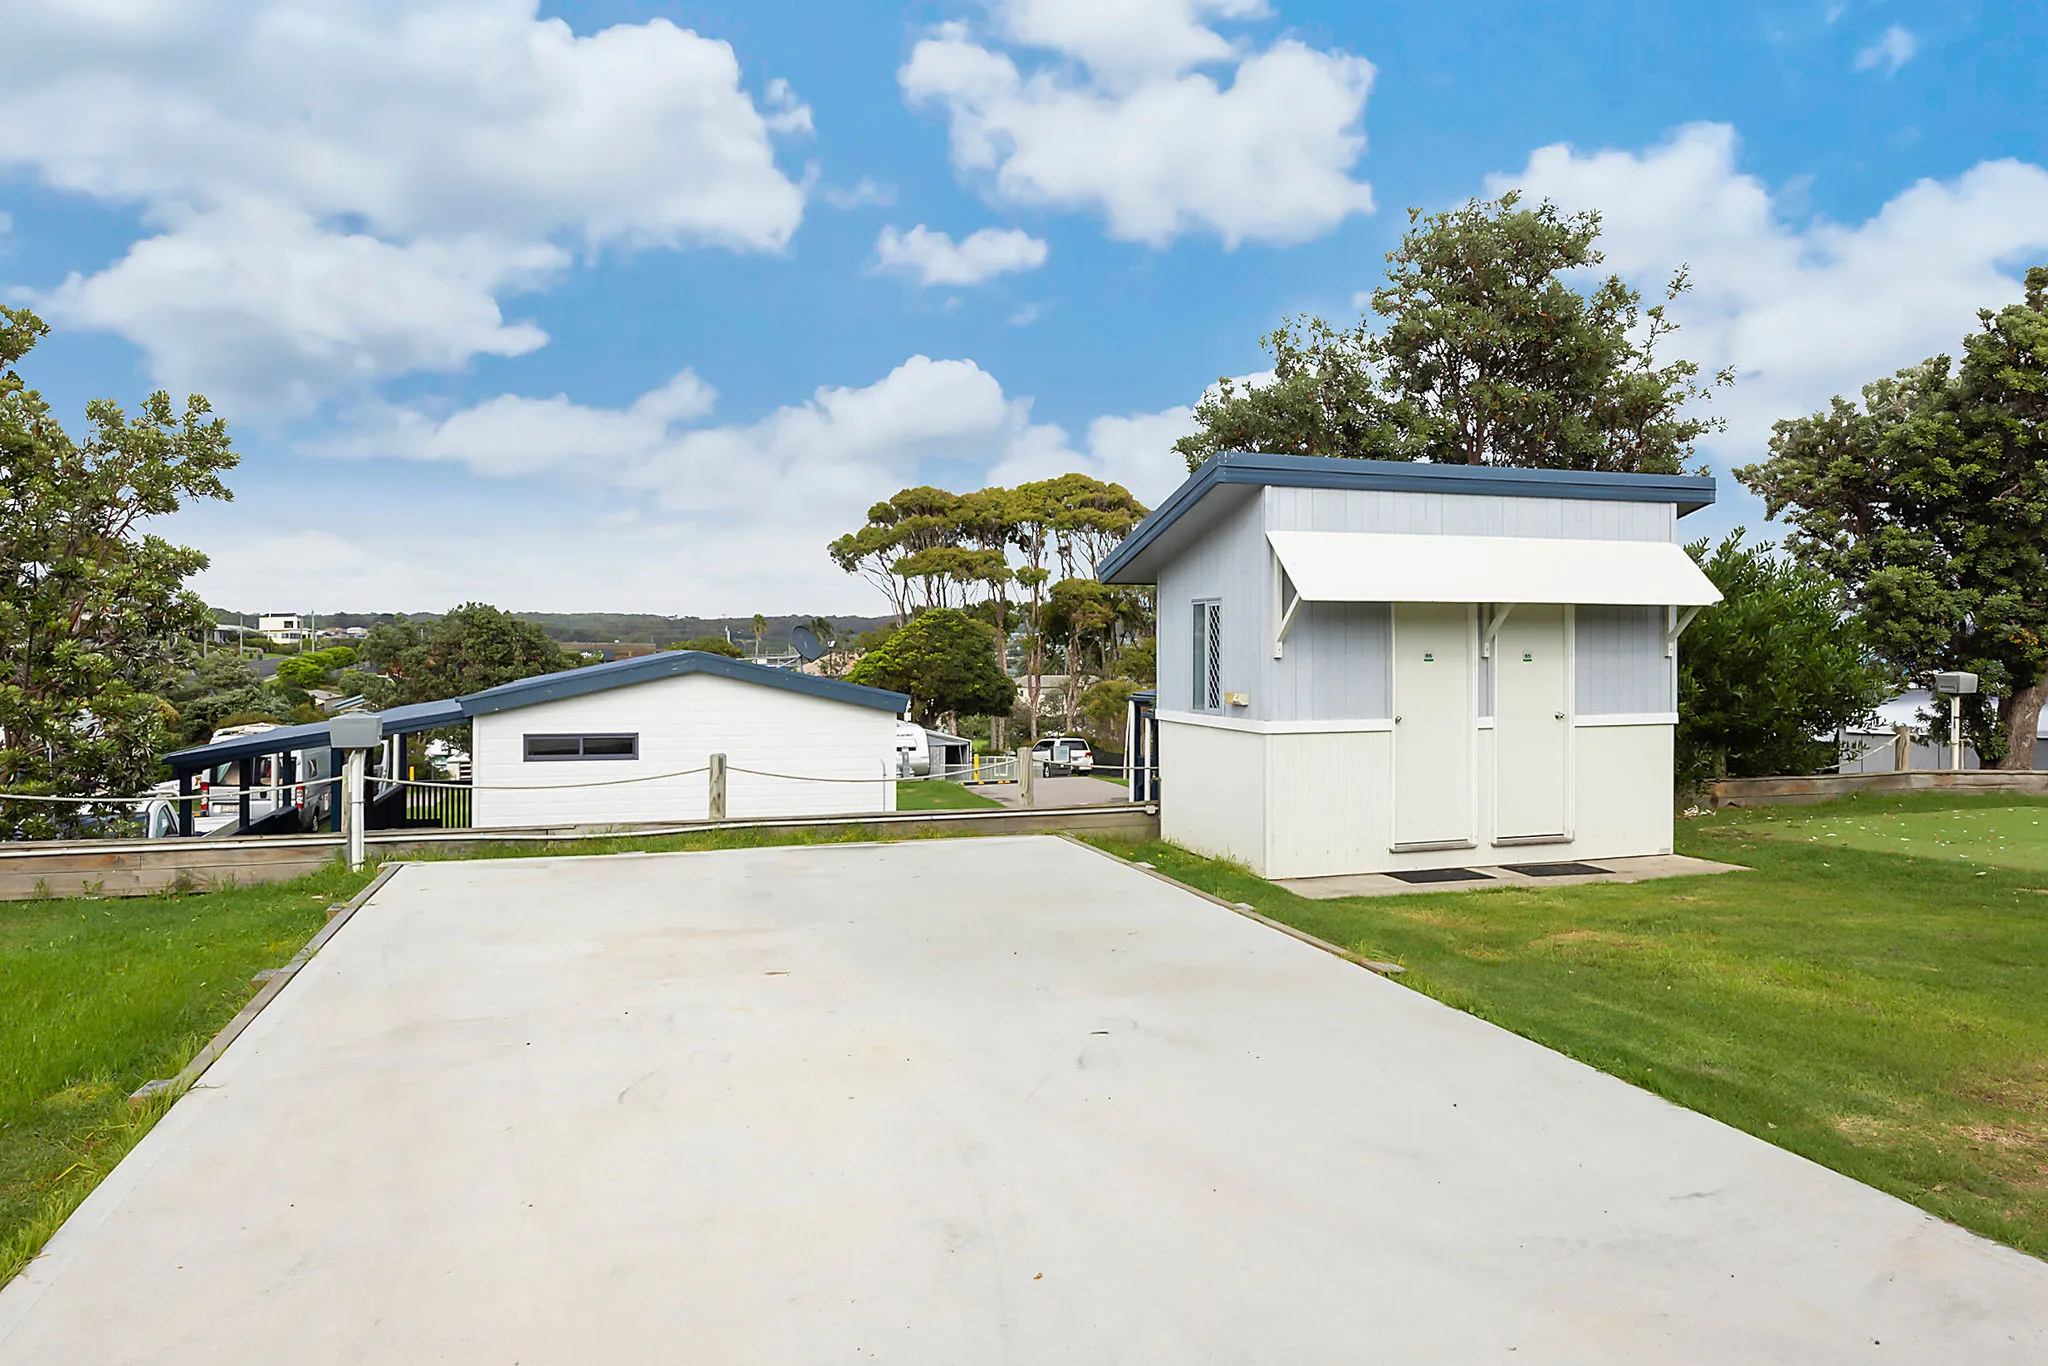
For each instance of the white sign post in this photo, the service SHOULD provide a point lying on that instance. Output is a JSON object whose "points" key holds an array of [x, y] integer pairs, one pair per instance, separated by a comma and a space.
{"points": [[355, 734], [1955, 686]]}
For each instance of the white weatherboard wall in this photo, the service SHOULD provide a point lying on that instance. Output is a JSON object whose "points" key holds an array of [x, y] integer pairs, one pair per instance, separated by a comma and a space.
{"points": [[1299, 781], [681, 721]]}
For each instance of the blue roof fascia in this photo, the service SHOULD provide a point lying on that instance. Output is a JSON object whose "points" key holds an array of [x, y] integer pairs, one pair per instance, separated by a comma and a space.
{"points": [[1689, 492], [623, 673]]}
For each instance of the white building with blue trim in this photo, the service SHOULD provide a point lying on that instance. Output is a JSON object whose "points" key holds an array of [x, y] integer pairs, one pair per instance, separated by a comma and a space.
{"points": [[1372, 666], [621, 743]]}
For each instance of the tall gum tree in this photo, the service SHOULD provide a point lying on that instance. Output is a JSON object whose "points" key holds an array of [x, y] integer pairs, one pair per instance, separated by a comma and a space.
{"points": [[95, 617], [1929, 503]]}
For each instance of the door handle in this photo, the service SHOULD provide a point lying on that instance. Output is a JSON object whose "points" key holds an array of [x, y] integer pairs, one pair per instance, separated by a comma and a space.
{"points": [[1397, 720], [1559, 715]]}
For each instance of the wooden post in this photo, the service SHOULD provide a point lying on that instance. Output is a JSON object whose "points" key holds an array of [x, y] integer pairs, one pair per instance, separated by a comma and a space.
{"points": [[1902, 749], [717, 776], [1027, 788]]}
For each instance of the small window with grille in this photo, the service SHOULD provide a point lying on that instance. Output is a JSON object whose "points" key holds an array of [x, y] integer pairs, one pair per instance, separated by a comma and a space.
{"points": [[544, 748], [1208, 642]]}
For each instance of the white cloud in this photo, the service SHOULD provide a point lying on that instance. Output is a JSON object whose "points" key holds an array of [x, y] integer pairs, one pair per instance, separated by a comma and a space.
{"points": [[264, 310], [1125, 127], [427, 128], [1891, 51], [864, 193], [1802, 312], [733, 517], [1127, 40], [936, 259]]}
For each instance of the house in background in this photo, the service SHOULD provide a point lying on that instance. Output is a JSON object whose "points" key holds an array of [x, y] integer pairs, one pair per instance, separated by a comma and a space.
{"points": [[558, 734], [1369, 666], [620, 743], [286, 628]]}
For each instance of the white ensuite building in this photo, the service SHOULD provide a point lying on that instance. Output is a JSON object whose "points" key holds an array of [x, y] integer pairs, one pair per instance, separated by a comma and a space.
{"points": [[1373, 666], [595, 745]]}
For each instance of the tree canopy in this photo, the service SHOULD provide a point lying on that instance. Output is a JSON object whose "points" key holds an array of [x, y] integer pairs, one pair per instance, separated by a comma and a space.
{"points": [[1484, 354], [1773, 665], [94, 613], [945, 660], [471, 648], [1929, 504]]}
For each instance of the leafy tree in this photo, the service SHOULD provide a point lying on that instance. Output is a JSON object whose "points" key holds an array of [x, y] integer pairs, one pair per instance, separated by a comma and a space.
{"points": [[1485, 356], [760, 627], [1774, 664], [94, 615], [1140, 663], [1083, 613], [944, 660], [471, 648], [1929, 504], [1104, 706], [303, 671], [712, 645], [1324, 399]]}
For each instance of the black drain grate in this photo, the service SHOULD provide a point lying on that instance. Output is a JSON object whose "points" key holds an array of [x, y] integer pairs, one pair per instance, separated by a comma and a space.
{"points": [[1441, 875], [1553, 869]]}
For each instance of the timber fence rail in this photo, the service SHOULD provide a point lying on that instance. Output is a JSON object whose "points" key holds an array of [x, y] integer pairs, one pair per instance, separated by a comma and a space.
{"points": [[40, 868], [1827, 787]]}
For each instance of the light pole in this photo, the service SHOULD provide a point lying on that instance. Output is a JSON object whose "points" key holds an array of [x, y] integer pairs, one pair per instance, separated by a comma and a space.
{"points": [[1955, 687], [355, 733]]}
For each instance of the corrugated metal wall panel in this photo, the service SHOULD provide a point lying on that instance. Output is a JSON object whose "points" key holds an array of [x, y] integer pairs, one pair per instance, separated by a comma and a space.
{"points": [[1335, 664], [1457, 515], [1622, 668], [1231, 564]]}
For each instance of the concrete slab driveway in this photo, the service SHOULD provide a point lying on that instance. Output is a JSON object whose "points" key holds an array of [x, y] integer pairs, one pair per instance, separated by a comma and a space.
{"points": [[964, 1101]]}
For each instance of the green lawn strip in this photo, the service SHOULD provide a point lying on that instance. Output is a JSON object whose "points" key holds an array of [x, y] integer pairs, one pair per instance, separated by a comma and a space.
{"points": [[1993, 828], [99, 996], [1883, 1015], [932, 794]]}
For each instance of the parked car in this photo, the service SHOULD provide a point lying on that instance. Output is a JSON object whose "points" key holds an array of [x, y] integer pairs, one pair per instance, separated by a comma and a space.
{"points": [[1062, 754]]}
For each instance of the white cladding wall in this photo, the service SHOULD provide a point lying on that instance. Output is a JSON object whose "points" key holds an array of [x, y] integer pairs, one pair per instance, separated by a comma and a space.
{"points": [[681, 721], [1218, 807], [1321, 803]]}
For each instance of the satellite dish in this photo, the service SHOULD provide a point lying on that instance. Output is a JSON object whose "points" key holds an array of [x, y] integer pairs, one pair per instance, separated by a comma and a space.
{"points": [[806, 642]]}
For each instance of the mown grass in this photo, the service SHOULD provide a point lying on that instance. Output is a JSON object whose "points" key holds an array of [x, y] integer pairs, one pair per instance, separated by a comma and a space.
{"points": [[1882, 1012], [100, 996], [930, 794]]}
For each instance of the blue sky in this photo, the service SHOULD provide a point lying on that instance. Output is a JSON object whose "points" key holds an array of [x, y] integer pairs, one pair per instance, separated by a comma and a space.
{"points": [[633, 306]]}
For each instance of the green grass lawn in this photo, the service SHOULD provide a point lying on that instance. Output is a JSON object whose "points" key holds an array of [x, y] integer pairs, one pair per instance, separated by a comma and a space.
{"points": [[1872, 995], [932, 795], [98, 997]]}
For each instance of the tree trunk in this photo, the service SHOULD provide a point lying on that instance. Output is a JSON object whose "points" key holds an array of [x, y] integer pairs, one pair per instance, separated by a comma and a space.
{"points": [[2020, 715]]}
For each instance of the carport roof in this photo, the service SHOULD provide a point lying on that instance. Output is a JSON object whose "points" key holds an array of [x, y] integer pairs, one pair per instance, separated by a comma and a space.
{"points": [[526, 692], [406, 720]]}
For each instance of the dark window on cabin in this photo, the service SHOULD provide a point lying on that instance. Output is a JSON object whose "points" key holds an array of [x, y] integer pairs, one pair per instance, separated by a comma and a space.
{"points": [[555, 747]]}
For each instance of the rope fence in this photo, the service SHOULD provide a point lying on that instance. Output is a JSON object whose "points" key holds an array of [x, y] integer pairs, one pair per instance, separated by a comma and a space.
{"points": [[216, 794]]}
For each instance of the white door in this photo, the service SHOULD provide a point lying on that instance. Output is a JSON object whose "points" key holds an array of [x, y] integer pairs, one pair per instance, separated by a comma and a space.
{"points": [[1532, 725], [1433, 725]]}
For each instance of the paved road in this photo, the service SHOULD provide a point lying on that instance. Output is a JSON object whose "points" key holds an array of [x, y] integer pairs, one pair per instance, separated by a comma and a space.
{"points": [[960, 1101]]}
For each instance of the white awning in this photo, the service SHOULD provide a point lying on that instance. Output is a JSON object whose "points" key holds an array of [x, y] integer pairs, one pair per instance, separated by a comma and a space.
{"points": [[1351, 566]]}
